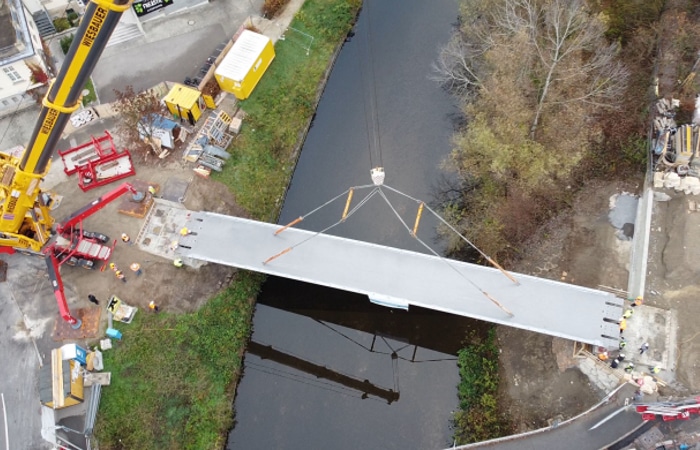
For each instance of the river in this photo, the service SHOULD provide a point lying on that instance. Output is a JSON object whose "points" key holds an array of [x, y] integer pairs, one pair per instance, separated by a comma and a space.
{"points": [[326, 368]]}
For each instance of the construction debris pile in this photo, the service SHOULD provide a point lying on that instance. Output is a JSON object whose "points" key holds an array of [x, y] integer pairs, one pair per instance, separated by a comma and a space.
{"points": [[676, 150], [207, 149]]}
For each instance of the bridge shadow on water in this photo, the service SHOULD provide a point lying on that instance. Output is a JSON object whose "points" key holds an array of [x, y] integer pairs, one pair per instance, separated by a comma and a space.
{"points": [[419, 327]]}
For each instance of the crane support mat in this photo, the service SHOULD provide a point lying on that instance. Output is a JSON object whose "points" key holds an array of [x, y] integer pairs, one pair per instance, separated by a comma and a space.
{"points": [[408, 278], [131, 208], [89, 329]]}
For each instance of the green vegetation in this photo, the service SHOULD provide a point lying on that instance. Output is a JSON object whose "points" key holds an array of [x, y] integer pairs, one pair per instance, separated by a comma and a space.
{"points": [[547, 110], [174, 377], [279, 109], [61, 24], [91, 96], [65, 42], [72, 17], [624, 17], [479, 418]]}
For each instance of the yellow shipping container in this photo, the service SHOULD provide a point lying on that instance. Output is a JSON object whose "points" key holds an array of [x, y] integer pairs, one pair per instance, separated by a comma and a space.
{"points": [[184, 102], [244, 65]]}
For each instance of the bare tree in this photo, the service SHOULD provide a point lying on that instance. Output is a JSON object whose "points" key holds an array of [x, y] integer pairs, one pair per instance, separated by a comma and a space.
{"points": [[566, 59], [138, 114], [459, 66], [571, 49]]}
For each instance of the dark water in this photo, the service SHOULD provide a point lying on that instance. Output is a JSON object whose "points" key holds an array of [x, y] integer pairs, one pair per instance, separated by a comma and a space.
{"points": [[326, 368]]}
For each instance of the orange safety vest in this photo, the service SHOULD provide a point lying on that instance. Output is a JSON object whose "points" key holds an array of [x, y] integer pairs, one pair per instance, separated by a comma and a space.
{"points": [[623, 324]]}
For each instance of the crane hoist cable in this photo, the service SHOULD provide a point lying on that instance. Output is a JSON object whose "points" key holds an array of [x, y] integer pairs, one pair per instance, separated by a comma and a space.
{"points": [[374, 139], [378, 190], [483, 292], [300, 218], [446, 223], [288, 249]]}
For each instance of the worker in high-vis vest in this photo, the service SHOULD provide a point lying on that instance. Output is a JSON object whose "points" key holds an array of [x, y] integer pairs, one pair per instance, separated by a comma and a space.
{"points": [[178, 262], [623, 325]]}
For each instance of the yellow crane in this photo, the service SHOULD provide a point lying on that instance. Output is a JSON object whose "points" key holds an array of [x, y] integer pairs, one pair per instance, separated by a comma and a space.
{"points": [[25, 221]]}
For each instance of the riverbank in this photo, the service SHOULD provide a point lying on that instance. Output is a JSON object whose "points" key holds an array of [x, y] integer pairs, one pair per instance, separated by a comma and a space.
{"points": [[177, 374]]}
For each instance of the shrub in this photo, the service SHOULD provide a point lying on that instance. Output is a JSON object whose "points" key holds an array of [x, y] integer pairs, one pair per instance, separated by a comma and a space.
{"points": [[272, 7], [61, 24], [72, 17], [66, 41], [478, 418]]}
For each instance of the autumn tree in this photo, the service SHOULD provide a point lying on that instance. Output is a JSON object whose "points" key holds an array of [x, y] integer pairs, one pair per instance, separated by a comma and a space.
{"points": [[38, 75], [531, 74], [138, 113]]}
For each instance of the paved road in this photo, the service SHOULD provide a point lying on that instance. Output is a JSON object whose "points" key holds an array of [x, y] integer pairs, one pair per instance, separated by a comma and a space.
{"points": [[174, 47], [578, 434], [23, 324], [170, 59]]}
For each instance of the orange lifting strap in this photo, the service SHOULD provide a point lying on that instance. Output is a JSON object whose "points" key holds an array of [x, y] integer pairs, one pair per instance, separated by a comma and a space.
{"points": [[287, 250], [497, 303], [420, 213], [505, 272], [290, 224], [347, 204]]}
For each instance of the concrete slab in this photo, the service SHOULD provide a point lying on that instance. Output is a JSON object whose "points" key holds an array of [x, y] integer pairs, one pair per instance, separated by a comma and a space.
{"points": [[175, 190], [160, 232], [658, 327], [101, 378], [403, 277], [649, 439]]}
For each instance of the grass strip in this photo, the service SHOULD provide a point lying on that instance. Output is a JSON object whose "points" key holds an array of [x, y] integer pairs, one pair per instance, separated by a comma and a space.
{"points": [[478, 418]]}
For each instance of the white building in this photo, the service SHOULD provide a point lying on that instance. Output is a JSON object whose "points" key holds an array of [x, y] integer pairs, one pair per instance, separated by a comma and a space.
{"points": [[20, 47]]}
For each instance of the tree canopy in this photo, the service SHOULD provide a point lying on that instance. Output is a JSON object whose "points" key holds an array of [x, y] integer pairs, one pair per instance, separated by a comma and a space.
{"points": [[533, 77]]}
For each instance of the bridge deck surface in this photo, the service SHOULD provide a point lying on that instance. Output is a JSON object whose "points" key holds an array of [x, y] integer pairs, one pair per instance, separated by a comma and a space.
{"points": [[401, 276]]}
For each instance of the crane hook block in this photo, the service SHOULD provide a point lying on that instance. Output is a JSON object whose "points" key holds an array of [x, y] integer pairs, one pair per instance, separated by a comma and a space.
{"points": [[377, 176]]}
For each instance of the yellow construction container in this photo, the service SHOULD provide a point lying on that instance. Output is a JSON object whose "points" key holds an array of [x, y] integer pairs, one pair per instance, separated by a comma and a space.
{"points": [[184, 102], [61, 383], [244, 65]]}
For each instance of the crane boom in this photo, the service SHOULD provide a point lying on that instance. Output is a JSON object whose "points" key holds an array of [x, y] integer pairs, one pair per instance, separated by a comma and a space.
{"points": [[25, 221], [94, 206]]}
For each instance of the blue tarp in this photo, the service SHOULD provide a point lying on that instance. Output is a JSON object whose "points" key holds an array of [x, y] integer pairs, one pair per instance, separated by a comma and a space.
{"points": [[163, 123]]}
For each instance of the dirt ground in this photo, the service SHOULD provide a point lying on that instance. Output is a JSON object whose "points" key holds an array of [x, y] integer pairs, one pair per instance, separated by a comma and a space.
{"points": [[538, 379], [173, 289], [580, 247], [674, 266]]}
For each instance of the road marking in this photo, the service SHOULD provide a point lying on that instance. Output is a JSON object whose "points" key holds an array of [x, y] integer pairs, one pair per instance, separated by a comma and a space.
{"points": [[4, 413]]}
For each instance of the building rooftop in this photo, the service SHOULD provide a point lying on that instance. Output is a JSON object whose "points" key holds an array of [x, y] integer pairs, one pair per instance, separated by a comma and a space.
{"points": [[8, 36], [15, 41]]}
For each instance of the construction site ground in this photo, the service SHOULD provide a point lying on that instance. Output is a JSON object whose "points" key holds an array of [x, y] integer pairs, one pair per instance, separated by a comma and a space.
{"points": [[540, 379], [173, 289]]}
